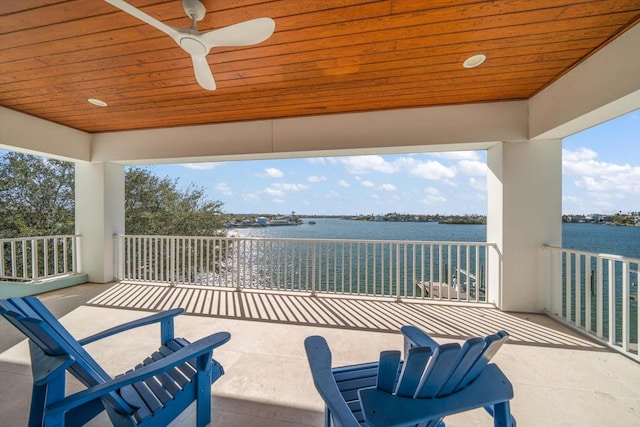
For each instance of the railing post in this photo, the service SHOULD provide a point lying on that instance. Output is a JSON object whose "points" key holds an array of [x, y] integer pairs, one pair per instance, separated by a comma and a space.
{"points": [[398, 299], [313, 269], [119, 247], [612, 303], [599, 297], [76, 262], [34, 260], [626, 320], [172, 261], [236, 245]]}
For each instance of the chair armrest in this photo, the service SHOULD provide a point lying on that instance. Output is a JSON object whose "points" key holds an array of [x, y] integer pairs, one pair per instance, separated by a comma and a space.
{"points": [[45, 367], [319, 357], [384, 409], [414, 337], [165, 317], [199, 348]]}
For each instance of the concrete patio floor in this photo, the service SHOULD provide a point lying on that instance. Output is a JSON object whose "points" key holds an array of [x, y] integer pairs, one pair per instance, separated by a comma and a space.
{"points": [[560, 378]]}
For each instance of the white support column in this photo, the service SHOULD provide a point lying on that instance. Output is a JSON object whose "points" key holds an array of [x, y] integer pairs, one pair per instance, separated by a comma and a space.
{"points": [[99, 215], [524, 212]]}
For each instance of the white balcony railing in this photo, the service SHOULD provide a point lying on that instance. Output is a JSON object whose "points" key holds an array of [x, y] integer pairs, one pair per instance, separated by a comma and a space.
{"points": [[596, 294], [449, 271], [34, 259]]}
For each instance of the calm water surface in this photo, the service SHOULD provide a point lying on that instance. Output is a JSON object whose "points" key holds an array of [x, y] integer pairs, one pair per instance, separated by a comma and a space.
{"points": [[587, 237]]}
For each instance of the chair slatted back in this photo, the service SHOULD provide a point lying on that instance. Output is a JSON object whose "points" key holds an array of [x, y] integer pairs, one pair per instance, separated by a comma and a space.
{"points": [[35, 321], [493, 343], [433, 381], [449, 369]]}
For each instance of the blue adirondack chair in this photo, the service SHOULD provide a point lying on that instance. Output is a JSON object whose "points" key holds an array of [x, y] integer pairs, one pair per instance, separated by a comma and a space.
{"points": [[432, 382], [152, 394]]}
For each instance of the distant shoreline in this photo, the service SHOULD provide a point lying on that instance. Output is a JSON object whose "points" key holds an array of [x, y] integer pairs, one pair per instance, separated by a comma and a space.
{"points": [[626, 220]]}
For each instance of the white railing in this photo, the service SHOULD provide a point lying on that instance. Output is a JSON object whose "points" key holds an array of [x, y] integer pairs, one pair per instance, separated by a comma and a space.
{"points": [[443, 271], [34, 259], [597, 294]]}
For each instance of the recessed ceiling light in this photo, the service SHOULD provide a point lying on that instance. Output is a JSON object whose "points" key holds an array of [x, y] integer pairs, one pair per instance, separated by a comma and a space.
{"points": [[474, 61], [97, 102]]}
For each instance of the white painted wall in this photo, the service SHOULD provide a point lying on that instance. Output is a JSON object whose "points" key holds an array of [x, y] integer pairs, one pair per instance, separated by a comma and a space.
{"points": [[524, 213], [99, 216]]}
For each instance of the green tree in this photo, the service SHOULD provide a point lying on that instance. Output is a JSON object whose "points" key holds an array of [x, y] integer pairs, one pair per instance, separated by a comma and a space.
{"points": [[155, 205], [37, 199], [36, 196]]}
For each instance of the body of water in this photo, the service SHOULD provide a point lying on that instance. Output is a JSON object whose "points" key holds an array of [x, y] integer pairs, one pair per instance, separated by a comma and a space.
{"points": [[623, 241], [598, 239]]}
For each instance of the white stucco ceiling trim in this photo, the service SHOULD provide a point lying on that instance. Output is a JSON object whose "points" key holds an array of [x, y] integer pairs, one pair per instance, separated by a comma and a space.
{"points": [[31, 135], [606, 85]]}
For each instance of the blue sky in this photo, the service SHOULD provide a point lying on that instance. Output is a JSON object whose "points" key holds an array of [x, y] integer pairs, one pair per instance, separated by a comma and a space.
{"points": [[601, 174]]}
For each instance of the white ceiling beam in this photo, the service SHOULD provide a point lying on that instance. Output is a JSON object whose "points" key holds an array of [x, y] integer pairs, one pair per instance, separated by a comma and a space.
{"points": [[604, 86], [449, 128], [28, 134]]}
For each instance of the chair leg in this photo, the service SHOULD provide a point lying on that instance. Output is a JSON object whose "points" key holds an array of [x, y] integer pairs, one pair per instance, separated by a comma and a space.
{"points": [[36, 413], [203, 390], [502, 415], [45, 395]]}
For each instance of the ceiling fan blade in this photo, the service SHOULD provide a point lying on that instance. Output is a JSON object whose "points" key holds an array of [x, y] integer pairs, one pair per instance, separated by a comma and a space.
{"points": [[137, 13], [242, 34], [203, 72]]}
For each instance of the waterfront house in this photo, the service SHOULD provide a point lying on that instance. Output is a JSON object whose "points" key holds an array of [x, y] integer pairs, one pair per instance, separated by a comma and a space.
{"points": [[355, 78]]}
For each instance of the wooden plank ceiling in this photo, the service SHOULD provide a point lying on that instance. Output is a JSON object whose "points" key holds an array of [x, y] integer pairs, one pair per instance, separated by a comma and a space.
{"points": [[329, 56]]}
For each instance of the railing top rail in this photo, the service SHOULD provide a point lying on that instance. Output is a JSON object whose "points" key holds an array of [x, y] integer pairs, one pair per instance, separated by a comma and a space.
{"points": [[417, 242], [594, 254], [56, 236]]}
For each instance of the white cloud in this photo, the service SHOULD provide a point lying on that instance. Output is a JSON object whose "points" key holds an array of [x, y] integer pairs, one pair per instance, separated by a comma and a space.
{"points": [[274, 172], [322, 160], [343, 183], [289, 187], [278, 189], [367, 183], [278, 201], [314, 178], [273, 191], [357, 165], [600, 177], [580, 155], [431, 170], [458, 155], [472, 167], [202, 166], [388, 187], [251, 197], [572, 199], [433, 196], [224, 189], [478, 184]]}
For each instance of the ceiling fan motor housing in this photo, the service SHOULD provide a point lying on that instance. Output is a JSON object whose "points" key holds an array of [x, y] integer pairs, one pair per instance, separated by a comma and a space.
{"points": [[194, 9]]}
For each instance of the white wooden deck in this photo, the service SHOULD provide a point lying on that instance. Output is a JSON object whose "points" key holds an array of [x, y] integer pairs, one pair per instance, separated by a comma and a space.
{"points": [[559, 378]]}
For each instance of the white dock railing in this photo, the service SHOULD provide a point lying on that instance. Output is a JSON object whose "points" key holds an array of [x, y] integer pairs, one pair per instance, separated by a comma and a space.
{"points": [[34, 259], [443, 271], [596, 294]]}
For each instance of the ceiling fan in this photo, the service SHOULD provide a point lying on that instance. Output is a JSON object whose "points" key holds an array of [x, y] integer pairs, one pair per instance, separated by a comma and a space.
{"points": [[199, 44]]}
